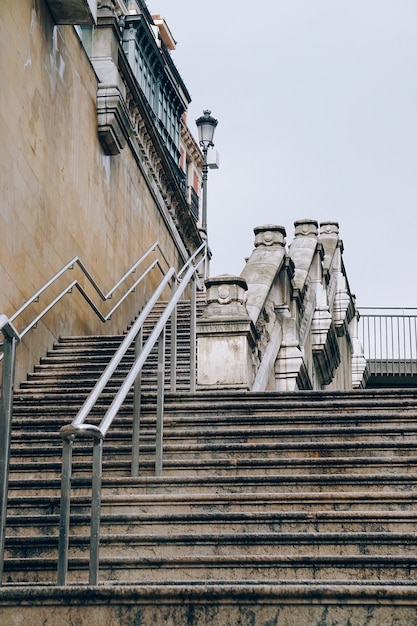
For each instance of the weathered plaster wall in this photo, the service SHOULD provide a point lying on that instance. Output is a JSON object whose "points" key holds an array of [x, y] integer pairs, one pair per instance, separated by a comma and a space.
{"points": [[60, 195]]}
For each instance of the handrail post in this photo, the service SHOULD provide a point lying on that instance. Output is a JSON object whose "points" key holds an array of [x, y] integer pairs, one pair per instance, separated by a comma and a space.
{"points": [[95, 510], [64, 513], [174, 331], [160, 405], [193, 333], [137, 391], [206, 262], [6, 410]]}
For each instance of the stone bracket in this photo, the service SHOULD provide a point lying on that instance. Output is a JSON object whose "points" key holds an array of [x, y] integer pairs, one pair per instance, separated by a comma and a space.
{"points": [[114, 126]]}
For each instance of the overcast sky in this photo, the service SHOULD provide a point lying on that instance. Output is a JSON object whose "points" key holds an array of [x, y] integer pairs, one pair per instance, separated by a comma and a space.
{"points": [[317, 109]]}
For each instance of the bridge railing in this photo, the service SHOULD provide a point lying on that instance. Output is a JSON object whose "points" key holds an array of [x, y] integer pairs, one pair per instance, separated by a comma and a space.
{"points": [[389, 339]]}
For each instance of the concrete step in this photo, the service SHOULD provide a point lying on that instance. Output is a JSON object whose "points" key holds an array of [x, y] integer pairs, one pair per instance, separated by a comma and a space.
{"points": [[230, 432], [166, 521], [232, 438], [370, 569], [224, 466], [89, 379], [310, 504], [206, 545], [186, 484], [295, 603], [310, 487], [99, 353]]}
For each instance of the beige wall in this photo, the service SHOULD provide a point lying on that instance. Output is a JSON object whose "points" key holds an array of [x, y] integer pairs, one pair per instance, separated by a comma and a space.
{"points": [[61, 196]]}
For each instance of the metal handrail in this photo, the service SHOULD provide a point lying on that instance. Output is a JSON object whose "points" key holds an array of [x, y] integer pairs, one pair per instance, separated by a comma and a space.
{"points": [[103, 296], [80, 427], [389, 339], [12, 337], [11, 340]]}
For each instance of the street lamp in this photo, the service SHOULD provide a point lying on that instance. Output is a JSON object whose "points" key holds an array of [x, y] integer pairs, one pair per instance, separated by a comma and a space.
{"points": [[206, 126]]}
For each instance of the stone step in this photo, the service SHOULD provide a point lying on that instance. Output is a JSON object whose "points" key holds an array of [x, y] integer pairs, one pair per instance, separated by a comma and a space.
{"points": [[128, 569], [73, 374], [157, 520], [265, 487], [227, 430], [186, 484], [310, 504], [287, 405], [226, 466], [239, 602], [96, 351], [84, 367], [52, 391], [270, 544], [119, 447]]}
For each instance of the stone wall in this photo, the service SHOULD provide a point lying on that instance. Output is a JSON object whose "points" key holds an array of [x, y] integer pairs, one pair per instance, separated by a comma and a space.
{"points": [[61, 195]]}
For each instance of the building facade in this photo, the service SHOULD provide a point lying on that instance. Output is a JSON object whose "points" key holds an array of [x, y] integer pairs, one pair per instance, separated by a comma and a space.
{"points": [[96, 160]]}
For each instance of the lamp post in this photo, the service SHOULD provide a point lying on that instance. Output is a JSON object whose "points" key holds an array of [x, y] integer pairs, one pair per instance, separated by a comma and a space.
{"points": [[206, 126]]}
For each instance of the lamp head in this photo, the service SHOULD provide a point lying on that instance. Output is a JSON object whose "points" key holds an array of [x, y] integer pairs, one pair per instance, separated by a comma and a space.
{"points": [[206, 125]]}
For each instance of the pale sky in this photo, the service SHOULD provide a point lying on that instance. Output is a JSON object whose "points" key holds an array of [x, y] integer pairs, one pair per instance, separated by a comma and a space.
{"points": [[317, 109]]}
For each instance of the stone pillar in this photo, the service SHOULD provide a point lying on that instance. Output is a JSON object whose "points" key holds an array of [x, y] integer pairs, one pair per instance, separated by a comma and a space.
{"points": [[226, 337]]}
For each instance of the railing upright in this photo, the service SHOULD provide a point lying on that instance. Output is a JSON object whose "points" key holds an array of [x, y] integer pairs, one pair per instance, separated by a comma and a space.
{"points": [[160, 405], [174, 342], [137, 391], [193, 334], [11, 339], [95, 510], [64, 516]]}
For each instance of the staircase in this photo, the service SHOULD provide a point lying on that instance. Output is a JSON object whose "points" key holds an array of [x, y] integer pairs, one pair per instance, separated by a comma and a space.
{"points": [[273, 509]]}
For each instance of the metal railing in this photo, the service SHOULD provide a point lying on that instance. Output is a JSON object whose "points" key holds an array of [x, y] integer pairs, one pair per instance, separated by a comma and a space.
{"points": [[81, 428], [11, 340], [389, 340], [75, 284], [12, 337]]}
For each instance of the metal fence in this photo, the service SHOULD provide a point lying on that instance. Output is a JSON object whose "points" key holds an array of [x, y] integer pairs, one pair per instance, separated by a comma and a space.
{"points": [[389, 340]]}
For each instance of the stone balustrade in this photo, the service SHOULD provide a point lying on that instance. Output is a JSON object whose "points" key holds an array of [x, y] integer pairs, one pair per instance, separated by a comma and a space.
{"points": [[288, 322]]}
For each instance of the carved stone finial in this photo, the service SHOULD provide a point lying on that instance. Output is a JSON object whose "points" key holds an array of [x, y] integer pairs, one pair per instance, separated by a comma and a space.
{"points": [[226, 296], [305, 228], [329, 228], [269, 235]]}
